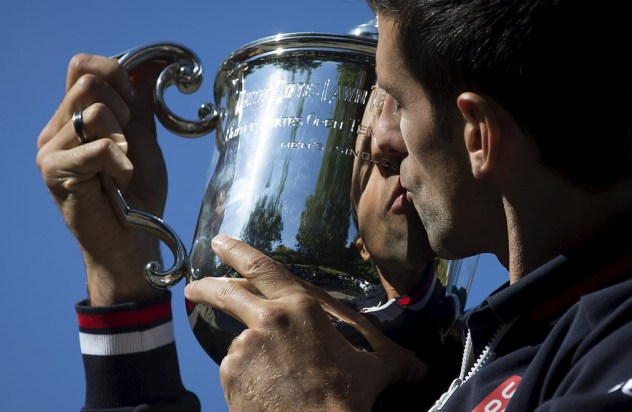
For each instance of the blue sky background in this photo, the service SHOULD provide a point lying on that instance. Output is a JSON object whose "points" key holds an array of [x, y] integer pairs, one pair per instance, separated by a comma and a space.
{"points": [[40, 362]]}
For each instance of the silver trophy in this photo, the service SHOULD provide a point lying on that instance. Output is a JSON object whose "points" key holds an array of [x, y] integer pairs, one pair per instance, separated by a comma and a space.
{"points": [[287, 111]]}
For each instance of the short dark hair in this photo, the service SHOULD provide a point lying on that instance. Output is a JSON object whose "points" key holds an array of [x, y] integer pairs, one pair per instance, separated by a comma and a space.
{"points": [[560, 67]]}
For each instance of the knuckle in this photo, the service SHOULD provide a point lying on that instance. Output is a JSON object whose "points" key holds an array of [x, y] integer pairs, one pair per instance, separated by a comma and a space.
{"points": [[226, 291], [273, 317], [79, 62], [260, 264], [87, 83], [41, 161], [307, 306], [97, 111], [103, 147], [106, 149], [230, 373], [305, 300], [244, 342]]}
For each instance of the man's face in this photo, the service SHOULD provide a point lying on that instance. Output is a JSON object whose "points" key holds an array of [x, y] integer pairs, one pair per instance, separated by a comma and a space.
{"points": [[435, 170], [390, 228]]}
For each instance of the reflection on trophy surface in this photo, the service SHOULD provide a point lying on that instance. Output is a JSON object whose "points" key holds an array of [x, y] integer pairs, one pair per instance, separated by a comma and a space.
{"points": [[291, 112], [284, 185], [293, 106]]}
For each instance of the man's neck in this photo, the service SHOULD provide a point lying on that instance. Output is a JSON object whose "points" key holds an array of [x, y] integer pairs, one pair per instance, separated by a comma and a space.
{"points": [[402, 282], [555, 219]]}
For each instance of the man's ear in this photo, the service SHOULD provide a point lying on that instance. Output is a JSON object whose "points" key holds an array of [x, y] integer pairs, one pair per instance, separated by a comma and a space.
{"points": [[481, 131], [359, 244]]}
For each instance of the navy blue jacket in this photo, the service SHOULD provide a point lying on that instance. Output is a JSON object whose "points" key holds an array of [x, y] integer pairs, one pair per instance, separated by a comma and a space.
{"points": [[560, 342], [566, 331]]}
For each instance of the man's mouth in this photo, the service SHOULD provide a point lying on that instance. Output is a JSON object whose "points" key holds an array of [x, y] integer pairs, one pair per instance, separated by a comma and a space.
{"points": [[398, 201]]}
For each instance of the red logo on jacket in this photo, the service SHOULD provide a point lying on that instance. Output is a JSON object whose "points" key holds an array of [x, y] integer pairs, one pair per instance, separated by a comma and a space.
{"points": [[498, 400]]}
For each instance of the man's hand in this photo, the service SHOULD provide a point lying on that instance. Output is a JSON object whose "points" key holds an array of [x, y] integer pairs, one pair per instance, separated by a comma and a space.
{"points": [[119, 124], [291, 357]]}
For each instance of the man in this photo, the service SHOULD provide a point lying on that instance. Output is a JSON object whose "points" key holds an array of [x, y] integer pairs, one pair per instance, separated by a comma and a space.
{"points": [[125, 324], [491, 117]]}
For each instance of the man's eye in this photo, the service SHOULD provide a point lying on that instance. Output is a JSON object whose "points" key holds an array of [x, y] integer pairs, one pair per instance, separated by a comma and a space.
{"points": [[379, 95]]}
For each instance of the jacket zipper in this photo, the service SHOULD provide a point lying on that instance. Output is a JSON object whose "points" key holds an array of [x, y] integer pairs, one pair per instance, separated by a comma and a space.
{"points": [[468, 355]]}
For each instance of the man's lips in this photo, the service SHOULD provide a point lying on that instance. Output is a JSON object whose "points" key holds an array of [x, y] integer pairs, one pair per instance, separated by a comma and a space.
{"points": [[398, 200], [409, 195]]}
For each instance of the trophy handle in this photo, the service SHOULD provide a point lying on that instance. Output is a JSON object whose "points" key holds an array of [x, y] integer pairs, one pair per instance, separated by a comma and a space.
{"points": [[184, 70]]}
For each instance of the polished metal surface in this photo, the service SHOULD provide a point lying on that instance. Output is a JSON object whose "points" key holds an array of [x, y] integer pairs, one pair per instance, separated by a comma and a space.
{"points": [[287, 111], [291, 108], [184, 70]]}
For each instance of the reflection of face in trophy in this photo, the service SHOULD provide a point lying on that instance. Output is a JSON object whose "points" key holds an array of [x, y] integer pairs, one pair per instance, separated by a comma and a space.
{"points": [[389, 228]]}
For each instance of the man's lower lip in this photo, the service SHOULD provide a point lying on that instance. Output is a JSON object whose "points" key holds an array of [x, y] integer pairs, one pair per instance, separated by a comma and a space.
{"points": [[399, 202], [409, 196]]}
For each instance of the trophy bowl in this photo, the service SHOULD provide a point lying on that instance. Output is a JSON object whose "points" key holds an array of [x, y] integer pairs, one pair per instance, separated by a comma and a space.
{"points": [[288, 110]]}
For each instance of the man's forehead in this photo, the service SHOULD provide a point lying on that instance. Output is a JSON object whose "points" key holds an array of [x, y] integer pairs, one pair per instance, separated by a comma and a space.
{"points": [[389, 63]]}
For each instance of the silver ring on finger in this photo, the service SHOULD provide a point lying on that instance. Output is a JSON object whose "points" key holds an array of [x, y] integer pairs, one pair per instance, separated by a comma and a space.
{"points": [[77, 122]]}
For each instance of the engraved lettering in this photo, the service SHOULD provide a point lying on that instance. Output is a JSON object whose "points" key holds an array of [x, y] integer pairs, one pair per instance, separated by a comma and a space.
{"points": [[277, 122], [313, 120], [302, 145], [323, 95], [366, 156], [300, 90], [361, 129], [248, 98], [346, 94], [234, 132]]}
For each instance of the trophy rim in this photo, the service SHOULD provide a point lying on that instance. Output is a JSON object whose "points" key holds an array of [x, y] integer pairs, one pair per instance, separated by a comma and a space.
{"points": [[358, 47]]}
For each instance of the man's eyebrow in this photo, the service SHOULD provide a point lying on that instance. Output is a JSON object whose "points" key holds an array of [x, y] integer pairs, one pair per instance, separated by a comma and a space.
{"points": [[386, 88]]}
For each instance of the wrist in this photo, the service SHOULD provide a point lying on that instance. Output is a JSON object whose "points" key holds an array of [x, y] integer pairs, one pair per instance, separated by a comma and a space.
{"points": [[120, 278]]}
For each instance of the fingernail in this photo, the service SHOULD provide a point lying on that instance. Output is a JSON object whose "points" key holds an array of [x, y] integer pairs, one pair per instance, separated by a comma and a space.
{"points": [[219, 240], [122, 146], [187, 289]]}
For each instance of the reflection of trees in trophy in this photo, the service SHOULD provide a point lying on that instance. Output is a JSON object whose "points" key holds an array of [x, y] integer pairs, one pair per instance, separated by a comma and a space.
{"points": [[289, 113], [265, 224], [322, 239], [442, 270], [313, 234]]}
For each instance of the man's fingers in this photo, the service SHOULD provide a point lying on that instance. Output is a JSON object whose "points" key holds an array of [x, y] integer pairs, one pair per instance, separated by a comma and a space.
{"points": [[86, 92], [227, 295], [64, 170], [270, 277], [102, 67], [98, 122]]}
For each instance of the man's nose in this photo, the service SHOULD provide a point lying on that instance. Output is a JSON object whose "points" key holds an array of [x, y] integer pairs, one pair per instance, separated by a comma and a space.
{"points": [[388, 133]]}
